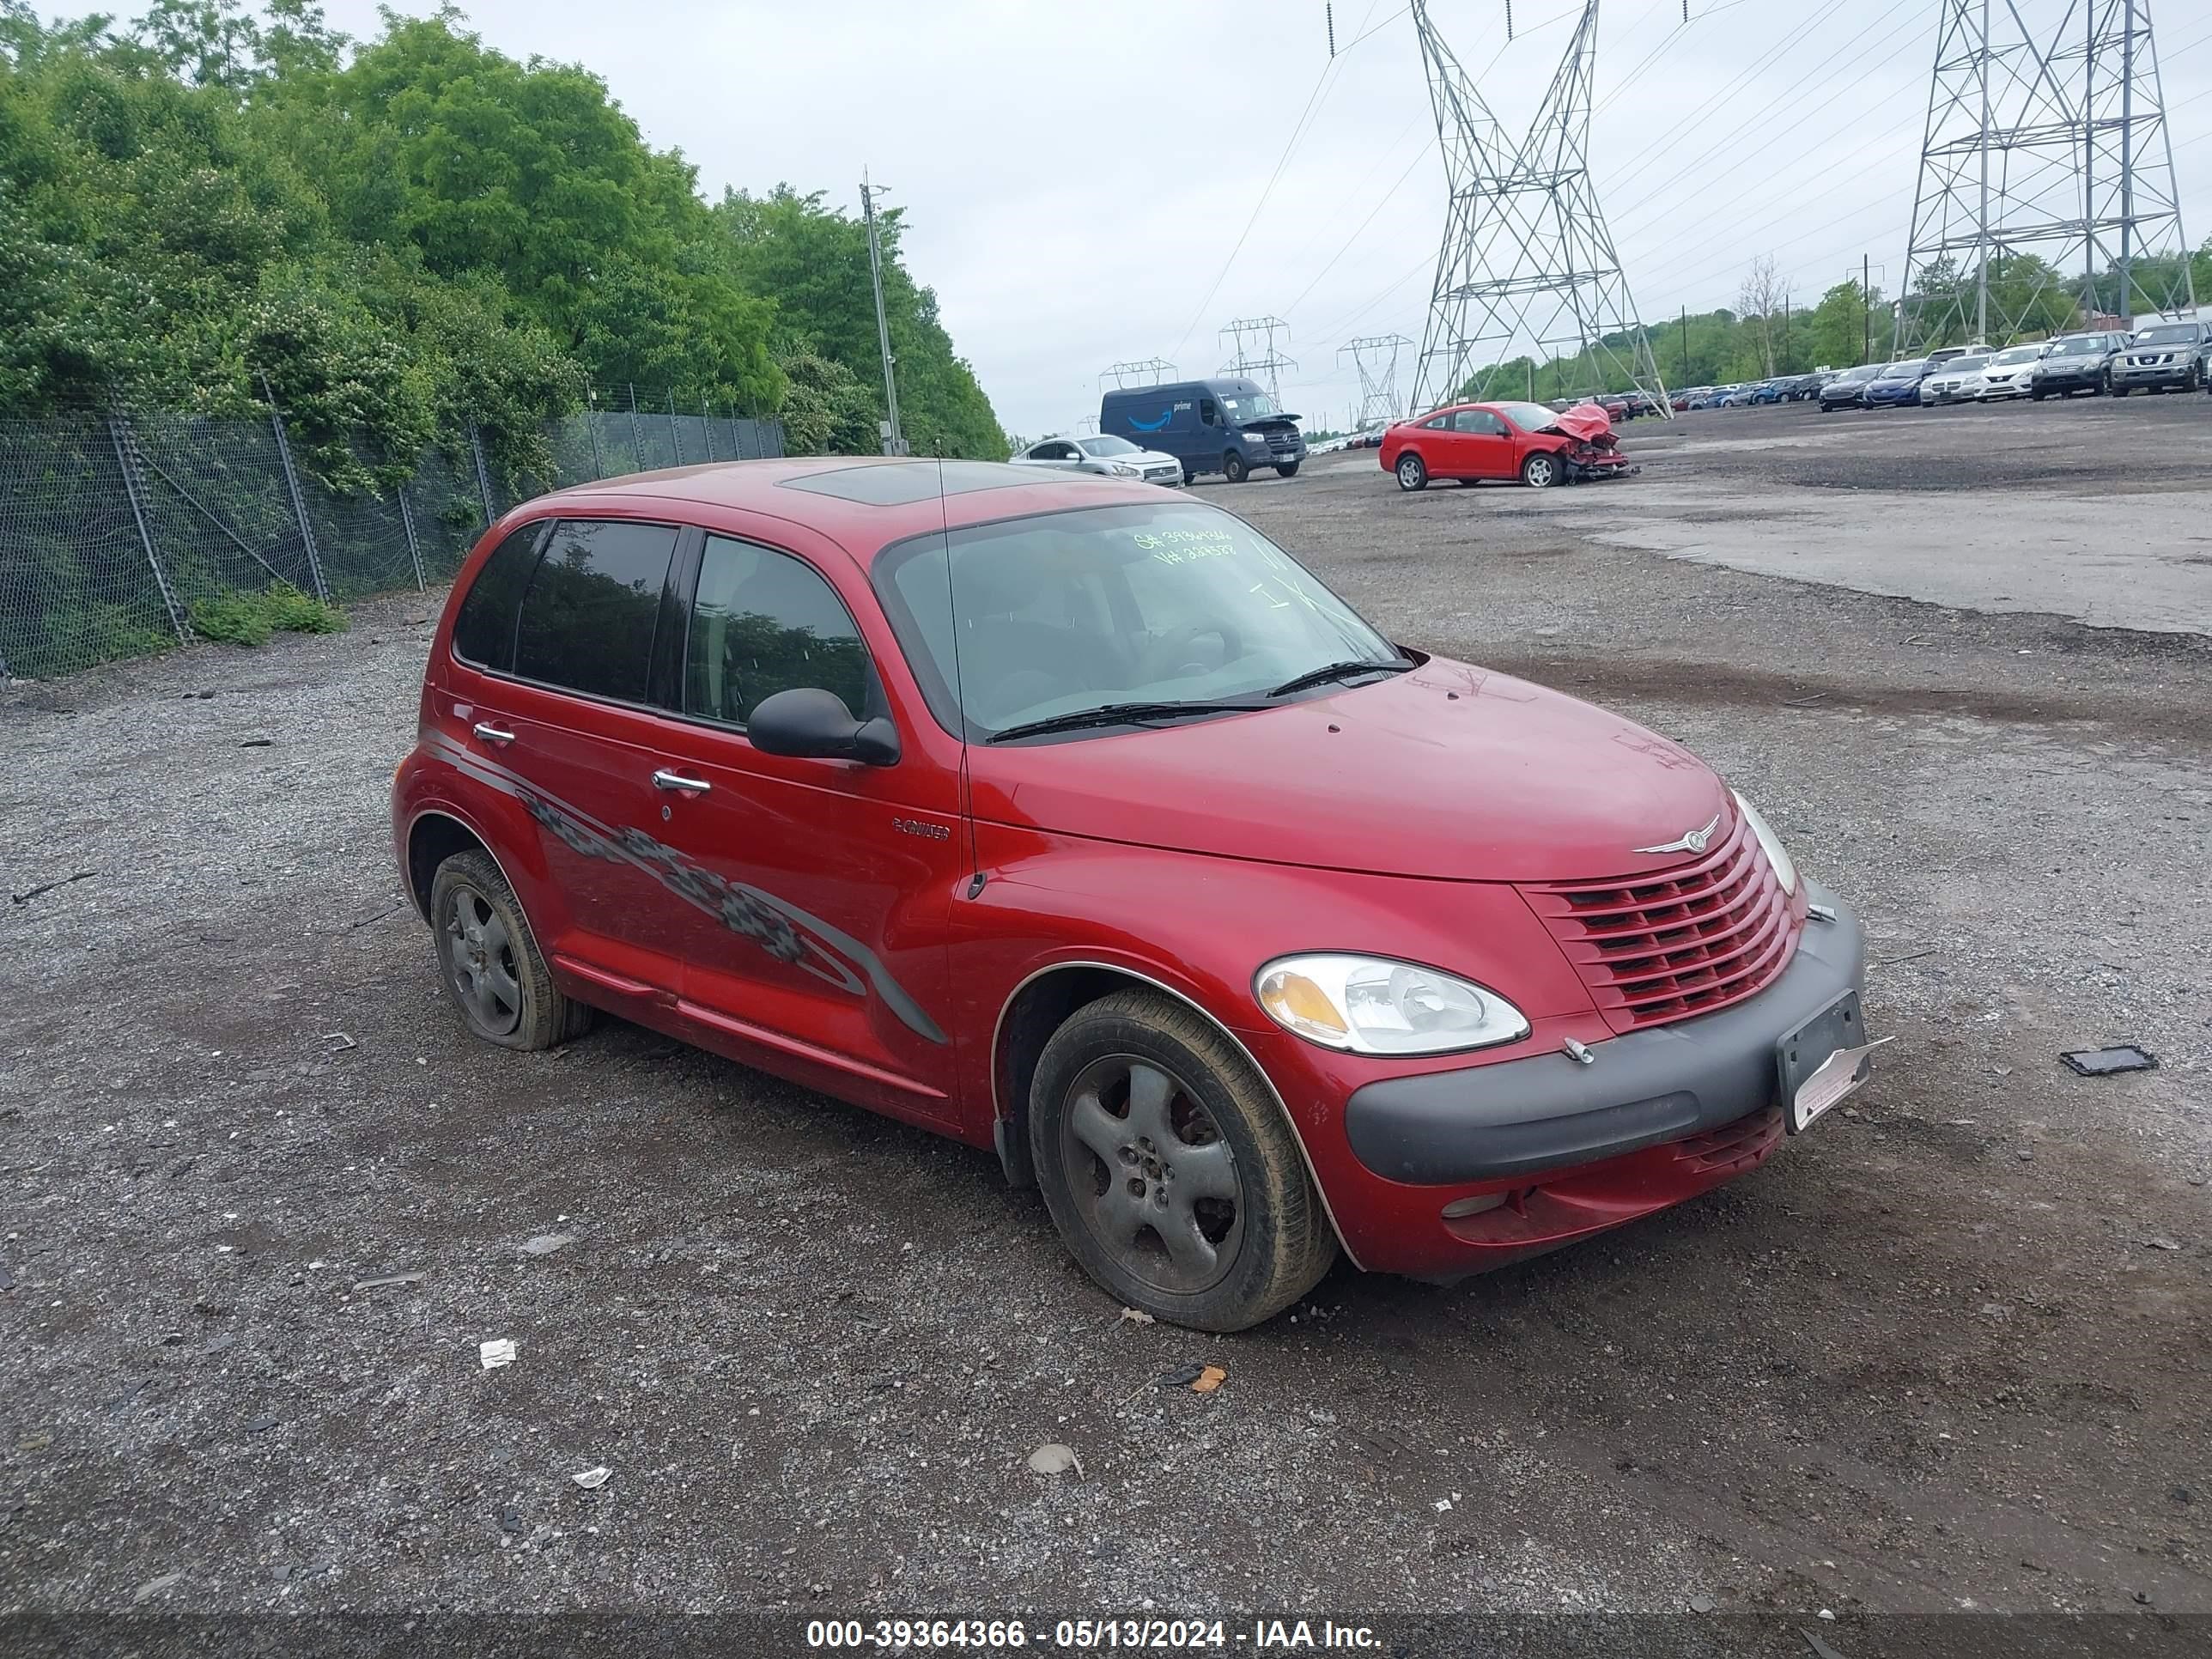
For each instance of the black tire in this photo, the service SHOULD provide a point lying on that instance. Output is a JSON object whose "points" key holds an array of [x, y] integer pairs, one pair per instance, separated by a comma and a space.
{"points": [[489, 960], [2038, 396], [2117, 391], [1412, 472], [1543, 470], [1184, 1089], [1286, 469], [1233, 467], [1189, 478]]}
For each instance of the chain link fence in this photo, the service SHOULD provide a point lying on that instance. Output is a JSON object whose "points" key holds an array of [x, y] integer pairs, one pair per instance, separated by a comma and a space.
{"points": [[113, 526]]}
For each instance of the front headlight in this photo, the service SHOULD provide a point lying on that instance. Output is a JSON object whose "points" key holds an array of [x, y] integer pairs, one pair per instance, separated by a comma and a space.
{"points": [[1373, 1005], [1785, 869], [1123, 469]]}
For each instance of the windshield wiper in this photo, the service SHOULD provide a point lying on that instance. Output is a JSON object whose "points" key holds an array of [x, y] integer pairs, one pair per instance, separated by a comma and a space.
{"points": [[1120, 713], [1337, 671]]}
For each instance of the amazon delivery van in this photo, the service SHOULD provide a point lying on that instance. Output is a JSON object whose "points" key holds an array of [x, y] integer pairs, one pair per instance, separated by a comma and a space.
{"points": [[1228, 427]]}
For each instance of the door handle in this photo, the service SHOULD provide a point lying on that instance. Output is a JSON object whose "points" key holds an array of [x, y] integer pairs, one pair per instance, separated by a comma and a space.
{"points": [[491, 734], [664, 779]]}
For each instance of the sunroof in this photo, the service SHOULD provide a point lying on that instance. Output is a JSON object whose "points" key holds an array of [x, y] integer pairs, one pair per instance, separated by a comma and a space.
{"points": [[898, 483]]}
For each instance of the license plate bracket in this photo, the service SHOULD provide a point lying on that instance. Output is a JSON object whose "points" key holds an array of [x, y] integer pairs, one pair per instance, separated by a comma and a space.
{"points": [[1822, 1062]]}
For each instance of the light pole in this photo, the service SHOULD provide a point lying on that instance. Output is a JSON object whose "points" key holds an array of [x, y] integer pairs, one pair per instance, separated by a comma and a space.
{"points": [[894, 440]]}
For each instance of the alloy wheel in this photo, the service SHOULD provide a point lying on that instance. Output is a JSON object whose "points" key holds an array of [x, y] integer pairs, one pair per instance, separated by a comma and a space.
{"points": [[1152, 1179], [480, 961]]}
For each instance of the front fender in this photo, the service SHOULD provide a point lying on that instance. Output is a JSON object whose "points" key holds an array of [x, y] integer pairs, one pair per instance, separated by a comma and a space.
{"points": [[1200, 926]]}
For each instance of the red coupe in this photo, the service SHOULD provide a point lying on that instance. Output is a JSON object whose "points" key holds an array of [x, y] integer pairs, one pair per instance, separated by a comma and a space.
{"points": [[1470, 442]]}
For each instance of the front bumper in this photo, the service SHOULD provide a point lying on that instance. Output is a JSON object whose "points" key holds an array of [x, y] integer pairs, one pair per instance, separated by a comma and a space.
{"points": [[2076, 379], [1528, 1118], [2155, 375]]}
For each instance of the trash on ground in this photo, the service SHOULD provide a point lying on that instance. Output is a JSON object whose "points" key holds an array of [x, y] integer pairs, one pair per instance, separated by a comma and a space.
{"points": [[49, 886], [2103, 1062], [414, 1278], [256, 743], [1209, 1379], [339, 1041], [1181, 1376], [1702, 1604], [155, 1586], [1819, 1648], [262, 1424], [1053, 1458], [7, 1278], [1135, 1316], [2159, 1244], [217, 1344], [546, 1244], [592, 1479], [496, 1354]]}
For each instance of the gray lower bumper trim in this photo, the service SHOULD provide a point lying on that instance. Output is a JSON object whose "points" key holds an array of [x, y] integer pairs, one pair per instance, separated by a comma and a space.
{"points": [[1549, 1112]]}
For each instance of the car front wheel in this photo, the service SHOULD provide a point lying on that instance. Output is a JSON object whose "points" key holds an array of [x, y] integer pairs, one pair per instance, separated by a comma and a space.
{"points": [[489, 960], [1168, 1169], [1286, 469], [1541, 471], [1412, 474], [1233, 468]]}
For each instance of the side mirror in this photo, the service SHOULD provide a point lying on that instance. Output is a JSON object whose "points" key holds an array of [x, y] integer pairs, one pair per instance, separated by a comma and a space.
{"points": [[812, 724]]}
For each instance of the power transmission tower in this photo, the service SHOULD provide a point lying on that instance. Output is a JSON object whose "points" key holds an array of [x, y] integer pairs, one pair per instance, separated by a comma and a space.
{"points": [[1526, 265], [1375, 358], [1154, 369], [2046, 188], [1262, 364], [894, 440]]}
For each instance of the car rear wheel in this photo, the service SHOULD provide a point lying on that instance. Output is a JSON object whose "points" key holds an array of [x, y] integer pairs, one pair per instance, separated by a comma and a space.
{"points": [[489, 960], [1168, 1169], [1233, 468], [1543, 469], [1412, 472]]}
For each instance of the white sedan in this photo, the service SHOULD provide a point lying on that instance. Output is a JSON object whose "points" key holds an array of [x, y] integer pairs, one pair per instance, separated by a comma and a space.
{"points": [[1955, 382], [2010, 373], [1107, 456]]}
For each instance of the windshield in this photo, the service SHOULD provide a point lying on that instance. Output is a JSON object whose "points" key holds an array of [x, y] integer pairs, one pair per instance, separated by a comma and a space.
{"points": [[1252, 406], [2082, 345], [2169, 334], [1904, 371], [1107, 445], [1064, 611], [1960, 365], [1530, 417], [2015, 357]]}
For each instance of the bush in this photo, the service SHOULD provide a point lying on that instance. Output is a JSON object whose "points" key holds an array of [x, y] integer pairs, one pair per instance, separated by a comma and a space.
{"points": [[249, 618]]}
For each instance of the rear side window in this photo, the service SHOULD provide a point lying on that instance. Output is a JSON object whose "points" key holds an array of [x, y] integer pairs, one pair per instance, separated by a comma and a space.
{"points": [[586, 622], [763, 623], [484, 631]]}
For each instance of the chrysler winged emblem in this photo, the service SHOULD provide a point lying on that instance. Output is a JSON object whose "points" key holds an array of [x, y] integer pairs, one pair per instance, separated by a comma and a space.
{"points": [[1695, 842]]}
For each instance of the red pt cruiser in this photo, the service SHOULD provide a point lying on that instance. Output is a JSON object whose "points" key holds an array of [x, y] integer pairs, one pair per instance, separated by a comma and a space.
{"points": [[1077, 820]]}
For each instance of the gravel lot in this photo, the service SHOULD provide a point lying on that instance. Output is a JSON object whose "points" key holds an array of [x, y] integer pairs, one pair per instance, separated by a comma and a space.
{"points": [[1951, 1350]]}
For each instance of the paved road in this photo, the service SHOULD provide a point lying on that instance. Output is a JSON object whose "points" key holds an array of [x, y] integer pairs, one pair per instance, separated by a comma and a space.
{"points": [[2098, 511]]}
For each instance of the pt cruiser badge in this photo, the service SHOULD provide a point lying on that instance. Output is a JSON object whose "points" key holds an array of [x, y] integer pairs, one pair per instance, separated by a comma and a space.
{"points": [[1695, 842]]}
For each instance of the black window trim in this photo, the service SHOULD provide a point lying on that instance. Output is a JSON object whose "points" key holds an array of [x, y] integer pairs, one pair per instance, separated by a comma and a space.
{"points": [[878, 700], [652, 660]]}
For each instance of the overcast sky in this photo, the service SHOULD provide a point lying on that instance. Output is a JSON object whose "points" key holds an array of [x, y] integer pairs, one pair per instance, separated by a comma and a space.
{"points": [[1075, 177]]}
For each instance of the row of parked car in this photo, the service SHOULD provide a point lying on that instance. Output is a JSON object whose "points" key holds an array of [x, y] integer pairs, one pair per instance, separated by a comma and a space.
{"points": [[2165, 357]]}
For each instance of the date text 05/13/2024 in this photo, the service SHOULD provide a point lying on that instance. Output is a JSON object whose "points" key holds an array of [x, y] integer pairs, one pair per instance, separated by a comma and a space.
{"points": [[1089, 1635]]}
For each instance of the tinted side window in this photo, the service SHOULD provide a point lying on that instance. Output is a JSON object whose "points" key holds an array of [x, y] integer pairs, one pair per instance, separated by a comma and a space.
{"points": [[484, 631], [764, 622], [588, 619]]}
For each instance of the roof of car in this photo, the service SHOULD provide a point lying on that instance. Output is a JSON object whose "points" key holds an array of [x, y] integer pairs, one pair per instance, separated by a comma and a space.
{"points": [[863, 502]]}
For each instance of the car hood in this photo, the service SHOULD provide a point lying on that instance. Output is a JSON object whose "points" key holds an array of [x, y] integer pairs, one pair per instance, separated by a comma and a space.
{"points": [[1448, 772], [1587, 422]]}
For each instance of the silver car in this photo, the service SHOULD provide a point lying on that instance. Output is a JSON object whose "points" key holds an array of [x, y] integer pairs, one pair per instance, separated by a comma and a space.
{"points": [[1107, 456], [1955, 380]]}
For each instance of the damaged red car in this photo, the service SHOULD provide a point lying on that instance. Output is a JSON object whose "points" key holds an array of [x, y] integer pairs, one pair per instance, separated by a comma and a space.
{"points": [[1539, 446], [1078, 821]]}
